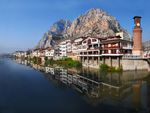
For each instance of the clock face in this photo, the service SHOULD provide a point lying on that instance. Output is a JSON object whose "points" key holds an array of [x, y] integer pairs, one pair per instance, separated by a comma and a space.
{"points": [[138, 24]]}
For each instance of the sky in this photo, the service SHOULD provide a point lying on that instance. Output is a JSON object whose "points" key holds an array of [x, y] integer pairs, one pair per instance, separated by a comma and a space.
{"points": [[23, 22]]}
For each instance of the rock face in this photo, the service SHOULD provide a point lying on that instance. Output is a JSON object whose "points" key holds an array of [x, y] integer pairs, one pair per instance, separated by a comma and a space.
{"points": [[56, 32], [95, 23]]}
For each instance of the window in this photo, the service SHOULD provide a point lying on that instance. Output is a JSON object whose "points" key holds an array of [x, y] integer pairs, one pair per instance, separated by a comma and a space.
{"points": [[94, 40], [84, 42], [113, 51]]}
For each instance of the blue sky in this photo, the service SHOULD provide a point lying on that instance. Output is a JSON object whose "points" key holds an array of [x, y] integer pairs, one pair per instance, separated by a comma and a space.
{"points": [[23, 22]]}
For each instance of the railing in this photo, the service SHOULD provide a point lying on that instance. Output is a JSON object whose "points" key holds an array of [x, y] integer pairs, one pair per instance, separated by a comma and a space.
{"points": [[94, 48], [117, 47], [111, 47], [132, 57], [128, 47]]}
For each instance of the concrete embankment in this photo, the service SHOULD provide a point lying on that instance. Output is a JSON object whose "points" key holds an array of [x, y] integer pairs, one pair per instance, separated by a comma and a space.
{"points": [[135, 65], [126, 64]]}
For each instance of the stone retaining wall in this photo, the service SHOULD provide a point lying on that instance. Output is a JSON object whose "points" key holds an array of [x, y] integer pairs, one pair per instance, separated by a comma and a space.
{"points": [[135, 65], [126, 64]]}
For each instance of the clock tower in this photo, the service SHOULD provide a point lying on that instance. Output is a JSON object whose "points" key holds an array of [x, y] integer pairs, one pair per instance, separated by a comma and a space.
{"points": [[137, 36]]}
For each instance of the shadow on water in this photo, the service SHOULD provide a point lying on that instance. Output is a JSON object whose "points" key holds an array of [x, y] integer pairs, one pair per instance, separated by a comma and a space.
{"points": [[127, 92]]}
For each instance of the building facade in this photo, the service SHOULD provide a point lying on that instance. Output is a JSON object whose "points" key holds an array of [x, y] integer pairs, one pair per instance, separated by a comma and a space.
{"points": [[146, 48]]}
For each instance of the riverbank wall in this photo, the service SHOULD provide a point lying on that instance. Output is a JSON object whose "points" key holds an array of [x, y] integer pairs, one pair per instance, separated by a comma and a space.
{"points": [[125, 64]]}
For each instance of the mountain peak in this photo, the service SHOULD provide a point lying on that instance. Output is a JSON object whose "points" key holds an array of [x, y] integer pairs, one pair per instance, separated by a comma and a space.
{"points": [[59, 27], [96, 10], [56, 31], [95, 22]]}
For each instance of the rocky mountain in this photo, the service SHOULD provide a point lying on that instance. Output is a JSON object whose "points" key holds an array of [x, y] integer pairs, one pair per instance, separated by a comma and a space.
{"points": [[56, 32], [94, 22]]}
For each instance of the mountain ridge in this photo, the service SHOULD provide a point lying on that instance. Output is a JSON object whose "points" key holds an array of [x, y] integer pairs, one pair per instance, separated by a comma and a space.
{"points": [[95, 22]]}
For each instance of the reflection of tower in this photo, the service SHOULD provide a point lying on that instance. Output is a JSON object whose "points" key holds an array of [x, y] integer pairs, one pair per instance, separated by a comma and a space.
{"points": [[136, 96], [137, 36], [148, 93]]}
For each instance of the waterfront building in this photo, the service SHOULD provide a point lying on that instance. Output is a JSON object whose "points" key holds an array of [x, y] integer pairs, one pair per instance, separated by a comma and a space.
{"points": [[49, 53], [35, 53], [116, 46], [77, 45], [62, 49], [94, 51], [68, 46], [90, 51], [114, 49], [124, 36], [146, 48], [20, 54], [28, 53], [42, 52], [76, 48], [42, 56]]}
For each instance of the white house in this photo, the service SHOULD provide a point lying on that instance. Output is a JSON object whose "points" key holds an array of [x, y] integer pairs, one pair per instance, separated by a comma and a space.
{"points": [[20, 54], [35, 53], [62, 49], [77, 45], [49, 52]]}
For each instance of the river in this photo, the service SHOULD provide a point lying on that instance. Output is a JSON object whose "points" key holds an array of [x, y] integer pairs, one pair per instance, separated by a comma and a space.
{"points": [[30, 88]]}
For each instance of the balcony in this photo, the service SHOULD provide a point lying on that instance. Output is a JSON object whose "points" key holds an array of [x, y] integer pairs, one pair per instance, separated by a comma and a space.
{"points": [[127, 47], [111, 47], [112, 54], [91, 53]]}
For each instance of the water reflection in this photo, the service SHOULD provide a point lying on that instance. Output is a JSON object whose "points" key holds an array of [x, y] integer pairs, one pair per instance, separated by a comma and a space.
{"points": [[128, 90]]}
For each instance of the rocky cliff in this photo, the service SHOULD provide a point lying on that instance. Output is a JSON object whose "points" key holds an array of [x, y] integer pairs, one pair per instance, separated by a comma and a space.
{"points": [[57, 31], [94, 22]]}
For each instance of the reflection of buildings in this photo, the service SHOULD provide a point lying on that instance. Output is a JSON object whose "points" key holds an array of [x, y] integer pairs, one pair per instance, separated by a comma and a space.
{"points": [[127, 88], [23, 62], [148, 93], [49, 70], [114, 86]]}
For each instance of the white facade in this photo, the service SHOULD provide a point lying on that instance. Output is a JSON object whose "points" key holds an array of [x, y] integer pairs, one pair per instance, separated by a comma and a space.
{"points": [[49, 52], [35, 53], [77, 45], [20, 54], [68, 46], [90, 43], [62, 49], [146, 54], [123, 36]]}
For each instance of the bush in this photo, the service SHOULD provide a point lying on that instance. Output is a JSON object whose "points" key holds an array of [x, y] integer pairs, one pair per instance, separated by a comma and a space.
{"points": [[66, 62], [119, 69], [104, 67]]}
